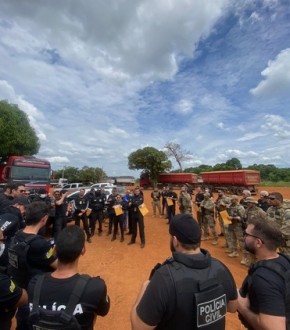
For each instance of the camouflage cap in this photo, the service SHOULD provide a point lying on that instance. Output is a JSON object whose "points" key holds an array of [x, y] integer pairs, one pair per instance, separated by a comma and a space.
{"points": [[251, 200]]}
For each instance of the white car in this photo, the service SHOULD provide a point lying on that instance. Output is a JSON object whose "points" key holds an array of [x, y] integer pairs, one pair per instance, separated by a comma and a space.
{"points": [[103, 185], [72, 195]]}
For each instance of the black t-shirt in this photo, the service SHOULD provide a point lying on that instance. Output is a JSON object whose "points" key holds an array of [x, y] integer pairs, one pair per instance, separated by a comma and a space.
{"points": [[39, 256], [158, 304], [267, 292], [60, 210], [55, 294], [9, 296]]}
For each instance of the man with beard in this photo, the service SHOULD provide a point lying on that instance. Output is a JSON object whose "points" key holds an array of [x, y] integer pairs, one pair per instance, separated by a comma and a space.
{"points": [[279, 212], [261, 302], [189, 290]]}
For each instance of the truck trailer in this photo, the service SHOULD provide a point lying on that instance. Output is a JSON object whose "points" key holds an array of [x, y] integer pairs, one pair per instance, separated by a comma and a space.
{"points": [[175, 179], [234, 181]]}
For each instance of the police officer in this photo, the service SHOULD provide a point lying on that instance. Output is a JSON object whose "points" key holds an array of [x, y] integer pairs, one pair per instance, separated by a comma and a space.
{"points": [[184, 201], [96, 204], [80, 204], [110, 208], [279, 211], [171, 299], [137, 218]]}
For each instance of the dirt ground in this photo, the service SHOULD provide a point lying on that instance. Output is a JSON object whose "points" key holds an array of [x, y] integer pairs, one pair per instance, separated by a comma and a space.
{"points": [[125, 268]]}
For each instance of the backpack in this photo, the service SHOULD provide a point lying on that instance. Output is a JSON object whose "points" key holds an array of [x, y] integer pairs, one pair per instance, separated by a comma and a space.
{"points": [[43, 319], [209, 298], [18, 267], [278, 269]]}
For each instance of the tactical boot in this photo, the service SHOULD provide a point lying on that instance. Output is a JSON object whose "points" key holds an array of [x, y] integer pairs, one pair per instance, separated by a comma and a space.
{"points": [[228, 250], [215, 242], [205, 238], [233, 254]]}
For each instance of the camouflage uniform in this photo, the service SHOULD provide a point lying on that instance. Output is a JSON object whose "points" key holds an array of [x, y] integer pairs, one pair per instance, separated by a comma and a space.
{"points": [[235, 229], [222, 204], [281, 215], [207, 206], [253, 212], [156, 195], [185, 203]]}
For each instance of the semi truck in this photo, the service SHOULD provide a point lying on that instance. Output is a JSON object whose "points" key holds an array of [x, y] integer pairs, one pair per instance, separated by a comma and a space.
{"points": [[32, 172], [175, 179], [234, 181]]}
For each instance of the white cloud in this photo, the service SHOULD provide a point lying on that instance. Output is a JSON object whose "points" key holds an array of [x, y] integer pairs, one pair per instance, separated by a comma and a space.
{"points": [[277, 77], [184, 106], [35, 116]]}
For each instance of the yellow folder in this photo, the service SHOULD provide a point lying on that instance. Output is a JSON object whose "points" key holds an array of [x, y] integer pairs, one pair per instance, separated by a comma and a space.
{"points": [[118, 210], [169, 201], [225, 216], [143, 209]]}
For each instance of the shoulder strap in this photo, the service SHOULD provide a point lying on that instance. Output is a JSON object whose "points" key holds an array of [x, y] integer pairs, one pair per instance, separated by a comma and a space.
{"points": [[76, 294], [36, 294]]}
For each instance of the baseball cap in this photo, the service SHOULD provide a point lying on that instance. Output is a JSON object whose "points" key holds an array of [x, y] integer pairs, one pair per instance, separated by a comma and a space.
{"points": [[185, 229]]}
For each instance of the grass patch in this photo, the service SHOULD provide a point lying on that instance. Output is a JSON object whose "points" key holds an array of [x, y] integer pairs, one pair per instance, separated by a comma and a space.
{"points": [[275, 184]]}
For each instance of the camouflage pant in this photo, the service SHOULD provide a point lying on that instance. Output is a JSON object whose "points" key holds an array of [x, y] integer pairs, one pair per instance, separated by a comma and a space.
{"points": [[208, 221], [235, 236], [221, 223], [156, 205]]}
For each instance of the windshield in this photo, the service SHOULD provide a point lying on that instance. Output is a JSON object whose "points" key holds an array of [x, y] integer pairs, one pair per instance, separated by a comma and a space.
{"points": [[30, 173]]}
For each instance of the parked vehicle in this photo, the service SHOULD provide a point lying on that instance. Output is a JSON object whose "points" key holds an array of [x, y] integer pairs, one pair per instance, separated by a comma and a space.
{"points": [[170, 179], [102, 185], [59, 183], [125, 180], [71, 187], [33, 172], [73, 194], [232, 181]]}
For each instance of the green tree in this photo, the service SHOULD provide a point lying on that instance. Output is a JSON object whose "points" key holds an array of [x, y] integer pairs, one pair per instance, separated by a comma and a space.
{"points": [[233, 164], [149, 160], [91, 174], [72, 174], [17, 136]]}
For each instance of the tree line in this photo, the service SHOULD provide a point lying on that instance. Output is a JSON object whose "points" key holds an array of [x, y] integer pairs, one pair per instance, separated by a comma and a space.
{"points": [[19, 138]]}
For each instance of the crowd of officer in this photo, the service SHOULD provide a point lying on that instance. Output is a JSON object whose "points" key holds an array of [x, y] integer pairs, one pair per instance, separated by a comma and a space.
{"points": [[126, 212]]}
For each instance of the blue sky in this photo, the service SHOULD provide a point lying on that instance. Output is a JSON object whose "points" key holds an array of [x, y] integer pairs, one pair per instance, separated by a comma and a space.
{"points": [[101, 79]]}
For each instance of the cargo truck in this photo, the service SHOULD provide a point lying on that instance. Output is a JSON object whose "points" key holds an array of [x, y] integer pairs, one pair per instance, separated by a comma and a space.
{"points": [[234, 181], [32, 172], [175, 179]]}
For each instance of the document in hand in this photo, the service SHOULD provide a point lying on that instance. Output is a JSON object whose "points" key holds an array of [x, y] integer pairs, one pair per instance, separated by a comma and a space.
{"points": [[143, 209], [225, 216]]}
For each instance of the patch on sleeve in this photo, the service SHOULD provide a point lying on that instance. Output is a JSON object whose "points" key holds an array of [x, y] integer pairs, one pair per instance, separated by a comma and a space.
{"points": [[12, 286], [49, 254]]}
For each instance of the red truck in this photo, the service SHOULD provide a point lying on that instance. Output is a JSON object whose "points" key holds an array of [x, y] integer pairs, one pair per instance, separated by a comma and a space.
{"points": [[170, 178], [232, 181], [33, 172]]}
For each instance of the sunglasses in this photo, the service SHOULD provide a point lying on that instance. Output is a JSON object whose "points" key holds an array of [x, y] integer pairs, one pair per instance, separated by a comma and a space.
{"points": [[22, 190], [272, 198]]}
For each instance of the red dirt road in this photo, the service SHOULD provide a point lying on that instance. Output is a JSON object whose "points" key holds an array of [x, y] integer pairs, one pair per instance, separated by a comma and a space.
{"points": [[125, 268]]}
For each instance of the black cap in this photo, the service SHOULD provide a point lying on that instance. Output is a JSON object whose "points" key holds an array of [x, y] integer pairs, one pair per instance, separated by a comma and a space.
{"points": [[42, 191], [185, 229]]}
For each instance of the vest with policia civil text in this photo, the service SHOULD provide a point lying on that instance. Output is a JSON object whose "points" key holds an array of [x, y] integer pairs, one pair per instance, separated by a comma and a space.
{"points": [[200, 297]]}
